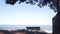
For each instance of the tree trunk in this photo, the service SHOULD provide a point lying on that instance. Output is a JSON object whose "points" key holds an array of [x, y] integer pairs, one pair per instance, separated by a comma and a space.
{"points": [[56, 23]]}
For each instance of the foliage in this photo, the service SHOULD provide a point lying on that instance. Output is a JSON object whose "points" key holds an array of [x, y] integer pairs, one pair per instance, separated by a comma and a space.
{"points": [[41, 3]]}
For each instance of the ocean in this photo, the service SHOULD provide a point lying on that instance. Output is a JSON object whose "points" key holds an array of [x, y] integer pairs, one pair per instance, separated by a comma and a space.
{"points": [[15, 27]]}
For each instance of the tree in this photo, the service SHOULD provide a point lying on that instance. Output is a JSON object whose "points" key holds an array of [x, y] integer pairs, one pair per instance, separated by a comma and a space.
{"points": [[56, 18], [53, 4], [41, 3]]}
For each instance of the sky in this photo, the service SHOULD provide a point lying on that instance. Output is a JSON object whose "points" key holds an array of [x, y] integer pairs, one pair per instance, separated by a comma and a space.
{"points": [[25, 14]]}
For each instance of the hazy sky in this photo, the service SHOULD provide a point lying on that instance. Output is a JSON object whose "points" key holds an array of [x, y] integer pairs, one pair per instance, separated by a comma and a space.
{"points": [[25, 14]]}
